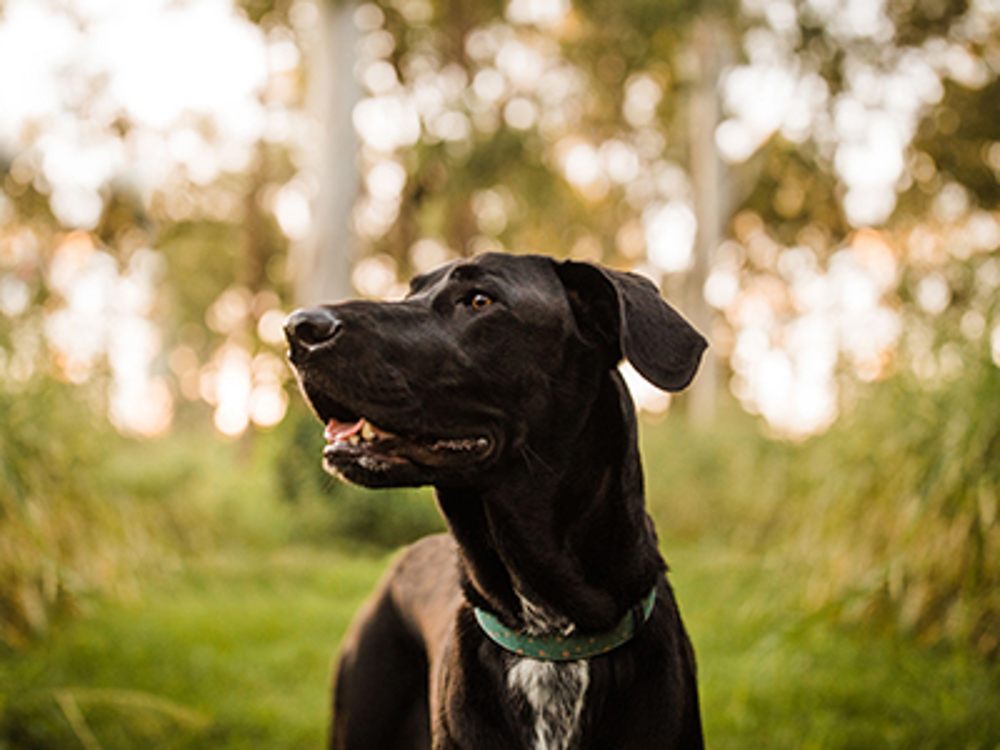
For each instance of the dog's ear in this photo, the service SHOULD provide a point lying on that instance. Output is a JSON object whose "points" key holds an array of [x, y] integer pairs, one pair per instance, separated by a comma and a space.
{"points": [[625, 314]]}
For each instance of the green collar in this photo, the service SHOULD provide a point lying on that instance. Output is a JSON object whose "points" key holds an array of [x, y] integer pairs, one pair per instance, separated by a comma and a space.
{"points": [[566, 647]]}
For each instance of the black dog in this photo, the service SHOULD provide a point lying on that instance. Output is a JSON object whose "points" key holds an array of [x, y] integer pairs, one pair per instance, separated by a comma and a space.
{"points": [[544, 620]]}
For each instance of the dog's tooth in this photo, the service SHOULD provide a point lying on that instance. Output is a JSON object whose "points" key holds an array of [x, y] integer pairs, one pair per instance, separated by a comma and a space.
{"points": [[353, 440], [367, 433]]}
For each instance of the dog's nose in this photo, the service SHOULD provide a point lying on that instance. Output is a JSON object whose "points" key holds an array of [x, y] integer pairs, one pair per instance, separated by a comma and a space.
{"points": [[310, 327]]}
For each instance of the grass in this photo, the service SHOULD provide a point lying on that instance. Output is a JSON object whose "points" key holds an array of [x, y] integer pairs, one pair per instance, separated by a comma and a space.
{"points": [[776, 676], [226, 641], [234, 652]]}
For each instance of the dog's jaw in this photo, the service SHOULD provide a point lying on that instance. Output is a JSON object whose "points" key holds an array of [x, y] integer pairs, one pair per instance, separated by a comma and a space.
{"points": [[386, 449], [373, 457]]}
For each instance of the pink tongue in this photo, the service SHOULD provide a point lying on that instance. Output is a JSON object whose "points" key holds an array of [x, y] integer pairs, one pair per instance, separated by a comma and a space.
{"points": [[341, 430]]}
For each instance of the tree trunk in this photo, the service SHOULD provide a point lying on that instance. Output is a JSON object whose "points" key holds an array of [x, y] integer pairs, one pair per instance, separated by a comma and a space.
{"points": [[708, 39], [323, 261]]}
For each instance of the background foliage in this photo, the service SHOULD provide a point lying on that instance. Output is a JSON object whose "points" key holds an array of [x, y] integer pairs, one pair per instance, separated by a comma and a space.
{"points": [[152, 444]]}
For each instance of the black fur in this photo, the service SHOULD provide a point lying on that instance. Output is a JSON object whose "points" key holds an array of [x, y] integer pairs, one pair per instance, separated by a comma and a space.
{"points": [[496, 382]]}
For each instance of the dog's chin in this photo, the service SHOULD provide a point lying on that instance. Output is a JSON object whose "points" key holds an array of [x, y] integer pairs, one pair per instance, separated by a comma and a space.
{"points": [[376, 473]]}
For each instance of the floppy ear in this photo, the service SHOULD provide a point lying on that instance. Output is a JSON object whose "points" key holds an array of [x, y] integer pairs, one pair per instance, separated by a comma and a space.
{"points": [[625, 314]]}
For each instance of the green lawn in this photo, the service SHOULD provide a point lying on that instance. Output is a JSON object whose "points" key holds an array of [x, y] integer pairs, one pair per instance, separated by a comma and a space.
{"points": [[234, 652], [773, 676]]}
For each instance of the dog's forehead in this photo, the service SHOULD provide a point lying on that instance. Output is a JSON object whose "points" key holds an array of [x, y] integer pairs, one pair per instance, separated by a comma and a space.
{"points": [[521, 278], [529, 272]]}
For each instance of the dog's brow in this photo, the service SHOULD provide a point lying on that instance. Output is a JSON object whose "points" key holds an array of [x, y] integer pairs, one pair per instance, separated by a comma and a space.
{"points": [[477, 273], [467, 273]]}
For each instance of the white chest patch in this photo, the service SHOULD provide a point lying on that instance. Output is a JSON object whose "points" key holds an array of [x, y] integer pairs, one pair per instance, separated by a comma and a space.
{"points": [[555, 691]]}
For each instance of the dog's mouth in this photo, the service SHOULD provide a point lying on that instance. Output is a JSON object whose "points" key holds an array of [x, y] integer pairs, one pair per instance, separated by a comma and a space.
{"points": [[356, 442], [361, 437]]}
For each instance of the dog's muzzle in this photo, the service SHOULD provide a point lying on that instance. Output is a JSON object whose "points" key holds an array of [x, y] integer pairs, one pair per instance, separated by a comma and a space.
{"points": [[372, 436]]}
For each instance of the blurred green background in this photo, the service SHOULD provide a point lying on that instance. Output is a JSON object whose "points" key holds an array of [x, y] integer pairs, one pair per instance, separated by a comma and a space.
{"points": [[814, 182]]}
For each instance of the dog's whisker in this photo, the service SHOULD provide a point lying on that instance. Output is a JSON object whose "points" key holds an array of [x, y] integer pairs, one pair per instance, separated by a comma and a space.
{"points": [[530, 455]]}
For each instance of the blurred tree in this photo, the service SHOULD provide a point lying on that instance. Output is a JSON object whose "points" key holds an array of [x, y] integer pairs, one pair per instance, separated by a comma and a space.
{"points": [[860, 179], [322, 262], [823, 175], [592, 131]]}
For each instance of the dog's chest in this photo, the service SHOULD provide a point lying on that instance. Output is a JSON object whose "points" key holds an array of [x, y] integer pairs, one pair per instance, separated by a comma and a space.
{"points": [[555, 692]]}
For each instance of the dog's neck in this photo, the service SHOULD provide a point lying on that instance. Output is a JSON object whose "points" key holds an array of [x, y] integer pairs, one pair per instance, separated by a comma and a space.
{"points": [[563, 541]]}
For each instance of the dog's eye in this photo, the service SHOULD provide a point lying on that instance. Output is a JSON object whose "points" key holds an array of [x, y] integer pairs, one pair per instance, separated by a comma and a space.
{"points": [[479, 300]]}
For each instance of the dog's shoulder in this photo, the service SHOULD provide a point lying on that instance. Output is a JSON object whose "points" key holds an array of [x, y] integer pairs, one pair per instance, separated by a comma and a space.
{"points": [[424, 584], [431, 554]]}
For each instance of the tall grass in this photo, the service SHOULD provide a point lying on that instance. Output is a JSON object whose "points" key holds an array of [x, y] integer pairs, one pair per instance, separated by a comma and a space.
{"points": [[82, 509], [902, 522], [893, 512], [85, 511], [64, 531]]}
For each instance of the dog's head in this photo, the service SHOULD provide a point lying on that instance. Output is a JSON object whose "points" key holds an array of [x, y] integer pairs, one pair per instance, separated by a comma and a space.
{"points": [[485, 360]]}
